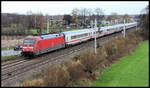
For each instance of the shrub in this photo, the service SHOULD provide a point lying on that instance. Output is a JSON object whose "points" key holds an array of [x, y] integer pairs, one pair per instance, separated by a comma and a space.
{"points": [[139, 38], [75, 70], [84, 66], [90, 61], [109, 48], [33, 83], [102, 56], [122, 47], [77, 57], [144, 24], [56, 76], [132, 38]]}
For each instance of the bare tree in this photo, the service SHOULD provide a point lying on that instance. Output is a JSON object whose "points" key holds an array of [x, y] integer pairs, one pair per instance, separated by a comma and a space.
{"points": [[30, 20], [114, 17], [40, 23], [67, 19], [127, 18], [99, 15], [82, 16], [144, 23], [74, 16], [90, 15], [34, 20]]}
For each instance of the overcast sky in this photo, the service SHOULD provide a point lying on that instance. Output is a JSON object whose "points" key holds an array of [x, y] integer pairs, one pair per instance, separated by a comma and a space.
{"points": [[65, 7]]}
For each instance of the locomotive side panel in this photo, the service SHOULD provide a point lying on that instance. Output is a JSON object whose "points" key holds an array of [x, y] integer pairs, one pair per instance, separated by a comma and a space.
{"points": [[48, 45]]}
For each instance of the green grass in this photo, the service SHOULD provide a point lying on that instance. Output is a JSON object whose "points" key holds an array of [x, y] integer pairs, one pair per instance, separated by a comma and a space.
{"points": [[71, 29], [106, 25], [7, 48], [34, 31], [129, 71], [75, 29]]}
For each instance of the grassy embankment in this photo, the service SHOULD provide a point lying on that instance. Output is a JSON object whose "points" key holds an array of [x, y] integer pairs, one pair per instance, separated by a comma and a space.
{"points": [[6, 58], [7, 48], [129, 71]]}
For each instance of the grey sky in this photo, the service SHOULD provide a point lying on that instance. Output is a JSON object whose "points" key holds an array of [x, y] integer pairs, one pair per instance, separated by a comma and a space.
{"points": [[65, 7]]}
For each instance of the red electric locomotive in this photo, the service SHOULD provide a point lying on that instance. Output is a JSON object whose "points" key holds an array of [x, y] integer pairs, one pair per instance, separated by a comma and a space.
{"points": [[35, 45]]}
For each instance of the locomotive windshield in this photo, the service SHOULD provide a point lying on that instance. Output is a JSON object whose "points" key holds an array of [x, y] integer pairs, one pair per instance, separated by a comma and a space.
{"points": [[29, 42]]}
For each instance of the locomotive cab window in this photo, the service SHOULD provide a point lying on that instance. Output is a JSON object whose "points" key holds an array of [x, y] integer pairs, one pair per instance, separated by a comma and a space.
{"points": [[29, 42]]}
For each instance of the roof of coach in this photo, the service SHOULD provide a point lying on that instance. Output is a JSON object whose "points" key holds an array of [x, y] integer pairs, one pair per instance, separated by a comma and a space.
{"points": [[107, 27], [134, 23], [111, 27], [77, 31], [119, 25]]}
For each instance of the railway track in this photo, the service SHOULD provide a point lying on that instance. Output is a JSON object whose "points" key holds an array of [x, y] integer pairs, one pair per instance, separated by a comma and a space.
{"points": [[7, 75], [13, 63], [16, 68]]}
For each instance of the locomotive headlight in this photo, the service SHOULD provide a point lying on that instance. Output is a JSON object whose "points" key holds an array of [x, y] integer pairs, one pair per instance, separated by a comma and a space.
{"points": [[30, 48], [24, 47]]}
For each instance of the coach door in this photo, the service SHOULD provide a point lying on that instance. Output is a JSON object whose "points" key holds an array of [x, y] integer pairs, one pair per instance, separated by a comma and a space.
{"points": [[38, 46]]}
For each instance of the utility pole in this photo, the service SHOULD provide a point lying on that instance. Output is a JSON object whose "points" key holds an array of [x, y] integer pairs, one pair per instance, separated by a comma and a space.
{"points": [[136, 26], [91, 24], [124, 30], [117, 24], [35, 21], [95, 34], [60, 26]]}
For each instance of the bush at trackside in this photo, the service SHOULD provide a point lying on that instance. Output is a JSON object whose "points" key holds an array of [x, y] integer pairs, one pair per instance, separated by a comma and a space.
{"points": [[85, 65], [56, 76]]}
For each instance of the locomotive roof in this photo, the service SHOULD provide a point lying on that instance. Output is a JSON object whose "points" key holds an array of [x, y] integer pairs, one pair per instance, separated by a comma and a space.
{"points": [[49, 36]]}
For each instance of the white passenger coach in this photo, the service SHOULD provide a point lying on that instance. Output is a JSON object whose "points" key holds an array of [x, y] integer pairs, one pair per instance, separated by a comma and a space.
{"points": [[78, 36]]}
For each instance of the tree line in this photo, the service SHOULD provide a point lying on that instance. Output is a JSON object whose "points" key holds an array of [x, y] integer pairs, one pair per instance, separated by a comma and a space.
{"points": [[82, 17], [144, 23]]}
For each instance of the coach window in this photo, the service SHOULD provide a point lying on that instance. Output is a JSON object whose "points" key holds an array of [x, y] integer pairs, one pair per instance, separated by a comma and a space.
{"points": [[86, 34], [73, 37], [81, 35], [78, 36]]}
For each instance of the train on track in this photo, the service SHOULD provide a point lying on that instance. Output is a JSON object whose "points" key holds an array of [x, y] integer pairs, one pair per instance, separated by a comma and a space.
{"points": [[36, 45]]}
